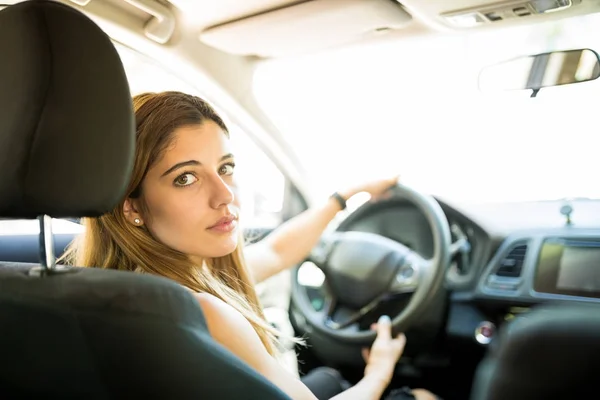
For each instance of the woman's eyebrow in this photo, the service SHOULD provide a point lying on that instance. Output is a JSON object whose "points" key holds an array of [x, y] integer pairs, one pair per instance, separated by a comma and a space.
{"points": [[181, 165], [192, 162]]}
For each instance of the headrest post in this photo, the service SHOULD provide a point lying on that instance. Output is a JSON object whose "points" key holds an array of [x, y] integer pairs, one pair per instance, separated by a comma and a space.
{"points": [[47, 258]]}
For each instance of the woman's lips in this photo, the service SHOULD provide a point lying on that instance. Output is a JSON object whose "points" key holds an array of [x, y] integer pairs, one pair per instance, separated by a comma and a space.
{"points": [[224, 225]]}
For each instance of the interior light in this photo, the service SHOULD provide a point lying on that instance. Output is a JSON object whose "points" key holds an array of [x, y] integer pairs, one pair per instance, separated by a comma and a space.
{"points": [[548, 6], [465, 20]]}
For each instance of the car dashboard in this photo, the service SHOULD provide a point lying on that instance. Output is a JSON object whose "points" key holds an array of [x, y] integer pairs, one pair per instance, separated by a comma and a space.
{"points": [[507, 257]]}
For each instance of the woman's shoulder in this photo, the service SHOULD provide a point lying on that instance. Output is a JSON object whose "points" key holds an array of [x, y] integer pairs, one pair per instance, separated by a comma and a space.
{"points": [[213, 303], [221, 317], [232, 330], [214, 306]]}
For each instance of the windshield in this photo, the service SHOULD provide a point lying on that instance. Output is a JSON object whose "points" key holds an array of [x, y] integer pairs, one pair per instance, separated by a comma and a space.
{"points": [[414, 108]]}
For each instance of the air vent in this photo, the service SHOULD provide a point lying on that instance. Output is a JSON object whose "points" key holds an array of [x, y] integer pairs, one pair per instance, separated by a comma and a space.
{"points": [[512, 264]]}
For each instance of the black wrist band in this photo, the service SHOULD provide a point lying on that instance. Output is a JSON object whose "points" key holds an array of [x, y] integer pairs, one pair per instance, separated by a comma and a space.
{"points": [[338, 197]]}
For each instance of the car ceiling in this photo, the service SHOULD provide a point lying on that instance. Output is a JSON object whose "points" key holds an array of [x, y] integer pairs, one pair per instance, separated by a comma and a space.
{"points": [[276, 28]]}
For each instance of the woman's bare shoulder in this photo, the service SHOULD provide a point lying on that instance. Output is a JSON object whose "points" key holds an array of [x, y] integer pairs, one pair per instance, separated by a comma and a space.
{"points": [[213, 306], [222, 320]]}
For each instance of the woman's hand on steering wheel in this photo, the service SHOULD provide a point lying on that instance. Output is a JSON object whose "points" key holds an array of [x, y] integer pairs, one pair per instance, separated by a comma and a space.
{"points": [[376, 189], [385, 352]]}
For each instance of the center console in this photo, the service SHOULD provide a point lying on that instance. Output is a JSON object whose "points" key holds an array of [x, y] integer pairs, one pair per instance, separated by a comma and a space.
{"points": [[529, 269]]}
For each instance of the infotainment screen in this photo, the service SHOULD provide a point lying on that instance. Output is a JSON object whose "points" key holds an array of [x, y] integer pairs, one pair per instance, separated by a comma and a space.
{"points": [[569, 266]]}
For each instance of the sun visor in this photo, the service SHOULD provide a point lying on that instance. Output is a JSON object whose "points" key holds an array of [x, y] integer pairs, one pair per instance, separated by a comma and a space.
{"points": [[307, 27]]}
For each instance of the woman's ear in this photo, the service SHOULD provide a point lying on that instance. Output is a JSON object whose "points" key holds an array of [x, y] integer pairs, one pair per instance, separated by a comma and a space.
{"points": [[130, 210]]}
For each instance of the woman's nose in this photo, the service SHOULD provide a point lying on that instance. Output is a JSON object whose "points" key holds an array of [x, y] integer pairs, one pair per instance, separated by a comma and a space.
{"points": [[222, 193]]}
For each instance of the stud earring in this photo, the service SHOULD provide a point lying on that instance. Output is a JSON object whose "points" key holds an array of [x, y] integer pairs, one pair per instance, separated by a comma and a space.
{"points": [[137, 221]]}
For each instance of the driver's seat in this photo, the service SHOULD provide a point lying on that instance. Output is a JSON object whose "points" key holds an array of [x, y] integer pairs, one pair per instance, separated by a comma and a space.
{"points": [[66, 149]]}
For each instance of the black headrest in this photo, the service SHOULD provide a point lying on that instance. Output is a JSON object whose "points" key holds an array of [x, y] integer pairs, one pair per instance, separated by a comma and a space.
{"points": [[66, 116], [550, 353]]}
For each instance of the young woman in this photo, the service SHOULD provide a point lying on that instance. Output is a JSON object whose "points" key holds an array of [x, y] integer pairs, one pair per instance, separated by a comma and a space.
{"points": [[178, 220]]}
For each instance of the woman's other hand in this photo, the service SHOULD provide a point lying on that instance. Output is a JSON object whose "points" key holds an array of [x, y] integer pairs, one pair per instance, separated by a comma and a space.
{"points": [[385, 352], [376, 189]]}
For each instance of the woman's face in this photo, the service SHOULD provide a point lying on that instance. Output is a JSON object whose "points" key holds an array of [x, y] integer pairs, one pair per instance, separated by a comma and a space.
{"points": [[187, 194]]}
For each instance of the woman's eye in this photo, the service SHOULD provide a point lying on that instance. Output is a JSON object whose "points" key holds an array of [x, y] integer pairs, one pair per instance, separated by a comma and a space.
{"points": [[185, 179], [227, 169]]}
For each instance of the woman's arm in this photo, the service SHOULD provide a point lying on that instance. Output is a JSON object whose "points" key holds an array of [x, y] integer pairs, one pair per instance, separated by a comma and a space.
{"points": [[291, 242], [367, 388], [228, 327]]}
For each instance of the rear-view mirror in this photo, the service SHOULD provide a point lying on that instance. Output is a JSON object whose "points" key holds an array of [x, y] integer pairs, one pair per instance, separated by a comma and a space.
{"points": [[541, 70]]}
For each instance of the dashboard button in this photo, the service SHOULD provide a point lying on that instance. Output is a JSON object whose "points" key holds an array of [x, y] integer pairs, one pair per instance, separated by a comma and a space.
{"points": [[502, 283], [484, 333], [503, 286]]}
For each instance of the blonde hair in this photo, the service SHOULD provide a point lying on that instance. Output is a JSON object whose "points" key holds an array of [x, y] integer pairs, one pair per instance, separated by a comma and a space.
{"points": [[111, 242]]}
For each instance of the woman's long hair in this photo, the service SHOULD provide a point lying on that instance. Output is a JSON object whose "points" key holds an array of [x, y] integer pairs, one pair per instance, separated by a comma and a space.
{"points": [[111, 242]]}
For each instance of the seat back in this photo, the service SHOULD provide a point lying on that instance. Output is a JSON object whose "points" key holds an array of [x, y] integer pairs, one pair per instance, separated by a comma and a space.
{"points": [[97, 334], [66, 149], [550, 353]]}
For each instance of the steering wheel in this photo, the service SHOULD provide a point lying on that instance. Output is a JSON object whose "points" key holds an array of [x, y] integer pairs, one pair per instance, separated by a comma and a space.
{"points": [[363, 269]]}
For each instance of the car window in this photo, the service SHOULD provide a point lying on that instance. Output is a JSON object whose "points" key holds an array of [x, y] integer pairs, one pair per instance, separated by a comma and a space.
{"points": [[414, 107], [32, 227], [261, 183]]}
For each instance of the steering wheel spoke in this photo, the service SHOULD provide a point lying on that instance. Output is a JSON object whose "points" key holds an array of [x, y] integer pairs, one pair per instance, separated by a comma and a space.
{"points": [[410, 274], [320, 253], [348, 316]]}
